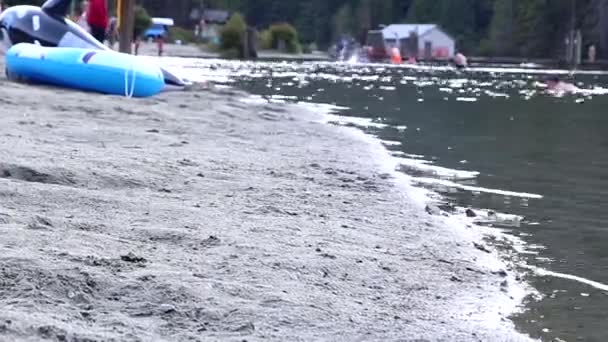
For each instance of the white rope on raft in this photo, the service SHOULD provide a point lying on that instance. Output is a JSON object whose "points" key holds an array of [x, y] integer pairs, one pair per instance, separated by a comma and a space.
{"points": [[129, 92]]}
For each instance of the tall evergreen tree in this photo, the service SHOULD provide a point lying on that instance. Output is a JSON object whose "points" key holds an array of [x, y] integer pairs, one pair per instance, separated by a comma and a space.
{"points": [[534, 28], [343, 21], [502, 28], [532, 33]]}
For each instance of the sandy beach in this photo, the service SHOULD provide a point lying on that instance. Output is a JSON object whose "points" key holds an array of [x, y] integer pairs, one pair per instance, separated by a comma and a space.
{"points": [[200, 216]]}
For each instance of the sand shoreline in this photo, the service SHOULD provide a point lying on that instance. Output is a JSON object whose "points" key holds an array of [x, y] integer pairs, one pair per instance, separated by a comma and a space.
{"points": [[198, 216]]}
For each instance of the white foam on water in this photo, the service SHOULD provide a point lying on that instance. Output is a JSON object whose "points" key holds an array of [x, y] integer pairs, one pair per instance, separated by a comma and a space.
{"points": [[597, 91], [495, 94], [466, 99], [357, 121], [488, 216], [517, 291], [509, 303], [392, 143], [451, 184], [284, 97], [501, 70], [254, 99], [546, 273], [443, 172]]}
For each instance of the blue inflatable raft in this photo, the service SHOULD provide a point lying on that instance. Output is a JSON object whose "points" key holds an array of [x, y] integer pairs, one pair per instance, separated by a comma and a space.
{"points": [[107, 72]]}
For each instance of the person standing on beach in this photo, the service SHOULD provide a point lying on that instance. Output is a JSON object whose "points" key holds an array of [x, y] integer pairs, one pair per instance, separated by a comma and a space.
{"points": [[591, 54], [97, 18], [82, 18], [112, 34]]}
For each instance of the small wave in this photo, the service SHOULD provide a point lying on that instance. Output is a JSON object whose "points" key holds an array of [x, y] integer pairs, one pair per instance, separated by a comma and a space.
{"points": [[406, 155], [487, 216], [597, 91], [451, 184], [546, 273], [502, 69], [326, 109], [424, 166], [421, 196], [254, 99], [392, 143], [495, 94], [284, 97], [466, 99], [357, 121]]}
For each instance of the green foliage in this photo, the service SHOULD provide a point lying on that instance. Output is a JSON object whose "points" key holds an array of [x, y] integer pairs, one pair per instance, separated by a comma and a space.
{"points": [[142, 20], [265, 40], [423, 11], [285, 33], [532, 33], [232, 53], [344, 22], [184, 35], [272, 37], [496, 27], [501, 37], [232, 36]]}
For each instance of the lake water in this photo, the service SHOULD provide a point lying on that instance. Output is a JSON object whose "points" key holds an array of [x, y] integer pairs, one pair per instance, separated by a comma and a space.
{"points": [[532, 165]]}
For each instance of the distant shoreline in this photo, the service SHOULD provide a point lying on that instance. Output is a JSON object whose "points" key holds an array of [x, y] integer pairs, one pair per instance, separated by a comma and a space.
{"points": [[195, 51]]}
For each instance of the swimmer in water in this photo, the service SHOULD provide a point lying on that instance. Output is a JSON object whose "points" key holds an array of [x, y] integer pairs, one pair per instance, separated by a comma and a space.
{"points": [[557, 86], [460, 61]]}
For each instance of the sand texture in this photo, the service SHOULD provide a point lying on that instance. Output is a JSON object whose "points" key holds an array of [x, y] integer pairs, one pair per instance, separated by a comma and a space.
{"points": [[196, 216]]}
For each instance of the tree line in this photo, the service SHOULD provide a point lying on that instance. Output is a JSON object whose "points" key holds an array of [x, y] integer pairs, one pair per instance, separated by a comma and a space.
{"points": [[517, 28]]}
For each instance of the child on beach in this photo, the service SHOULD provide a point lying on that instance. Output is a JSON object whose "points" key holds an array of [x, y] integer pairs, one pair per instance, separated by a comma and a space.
{"points": [[112, 34], [82, 18], [97, 19]]}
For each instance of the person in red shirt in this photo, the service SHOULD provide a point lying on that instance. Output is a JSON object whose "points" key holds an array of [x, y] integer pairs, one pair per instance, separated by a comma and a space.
{"points": [[97, 18]]}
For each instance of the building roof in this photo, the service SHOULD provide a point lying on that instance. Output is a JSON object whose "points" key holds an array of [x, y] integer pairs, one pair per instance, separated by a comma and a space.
{"points": [[216, 16], [163, 21], [401, 31]]}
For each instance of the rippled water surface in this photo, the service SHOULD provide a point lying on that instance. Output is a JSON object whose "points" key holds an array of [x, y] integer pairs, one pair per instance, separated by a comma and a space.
{"points": [[490, 139]]}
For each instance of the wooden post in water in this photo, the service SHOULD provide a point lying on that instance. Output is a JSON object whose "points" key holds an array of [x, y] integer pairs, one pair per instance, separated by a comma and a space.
{"points": [[126, 22]]}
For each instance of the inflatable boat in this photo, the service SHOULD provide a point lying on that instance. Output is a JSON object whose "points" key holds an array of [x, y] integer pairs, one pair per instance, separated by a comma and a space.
{"points": [[107, 72], [49, 26]]}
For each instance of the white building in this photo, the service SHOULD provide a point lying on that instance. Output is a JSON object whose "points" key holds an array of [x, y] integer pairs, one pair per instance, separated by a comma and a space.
{"points": [[431, 42]]}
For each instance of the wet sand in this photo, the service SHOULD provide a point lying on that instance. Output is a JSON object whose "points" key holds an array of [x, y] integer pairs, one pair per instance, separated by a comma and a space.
{"points": [[194, 216]]}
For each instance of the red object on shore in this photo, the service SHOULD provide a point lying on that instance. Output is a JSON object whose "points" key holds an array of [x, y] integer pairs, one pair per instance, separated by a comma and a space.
{"points": [[97, 14], [396, 56]]}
